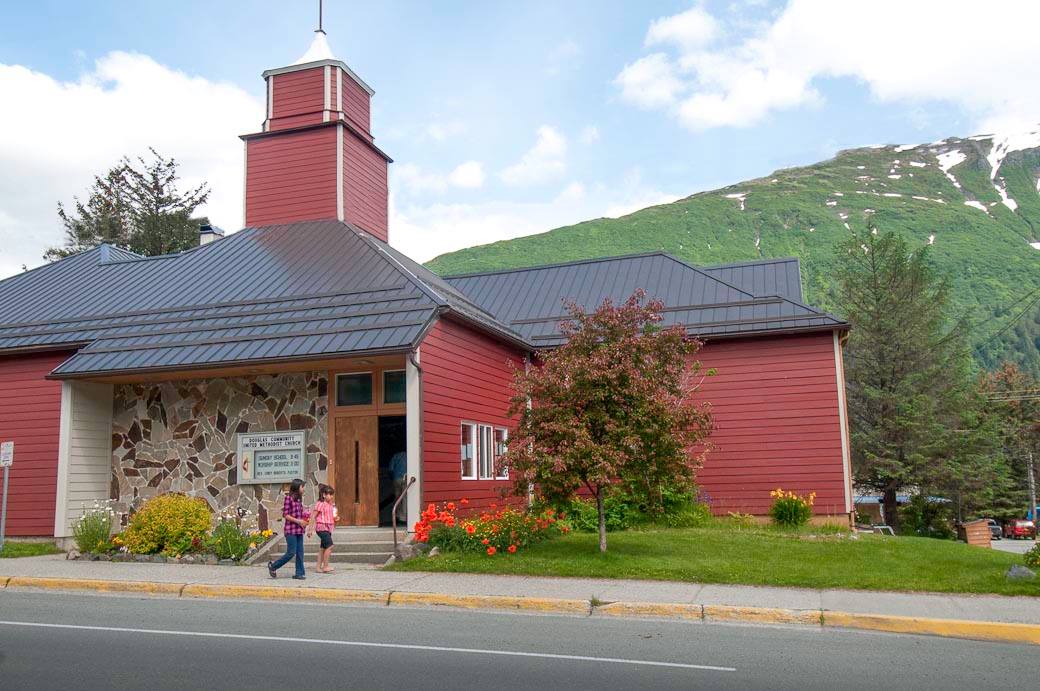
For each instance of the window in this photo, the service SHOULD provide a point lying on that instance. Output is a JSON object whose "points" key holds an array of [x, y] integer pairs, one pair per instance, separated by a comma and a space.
{"points": [[482, 447], [484, 455], [354, 389], [501, 437], [393, 386], [469, 438]]}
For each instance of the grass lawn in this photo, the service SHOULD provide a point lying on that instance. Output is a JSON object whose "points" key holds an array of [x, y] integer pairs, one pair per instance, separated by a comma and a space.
{"points": [[756, 556], [27, 549]]}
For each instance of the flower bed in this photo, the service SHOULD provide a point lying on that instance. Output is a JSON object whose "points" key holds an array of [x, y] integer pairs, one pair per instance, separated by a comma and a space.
{"points": [[492, 532], [169, 528]]}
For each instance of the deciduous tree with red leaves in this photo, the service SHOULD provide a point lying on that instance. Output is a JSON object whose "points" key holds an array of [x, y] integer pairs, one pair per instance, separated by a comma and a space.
{"points": [[612, 407]]}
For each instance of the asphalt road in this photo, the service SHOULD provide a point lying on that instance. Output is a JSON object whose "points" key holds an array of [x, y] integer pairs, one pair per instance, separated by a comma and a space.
{"points": [[57, 641], [1016, 546]]}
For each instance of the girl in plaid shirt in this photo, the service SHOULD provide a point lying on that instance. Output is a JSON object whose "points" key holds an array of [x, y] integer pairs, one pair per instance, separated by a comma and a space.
{"points": [[296, 521]]}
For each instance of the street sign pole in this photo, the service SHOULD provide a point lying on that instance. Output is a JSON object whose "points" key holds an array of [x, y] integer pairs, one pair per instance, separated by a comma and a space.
{"points": [[6, 459], [3, 511]]}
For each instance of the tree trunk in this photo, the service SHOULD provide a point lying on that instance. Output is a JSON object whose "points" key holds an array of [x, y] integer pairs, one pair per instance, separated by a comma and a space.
{"points": [[891, 508], [602, 522]]}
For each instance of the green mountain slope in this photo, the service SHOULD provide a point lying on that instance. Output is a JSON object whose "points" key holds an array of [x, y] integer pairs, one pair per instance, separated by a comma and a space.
{"points": [[946, 194]]}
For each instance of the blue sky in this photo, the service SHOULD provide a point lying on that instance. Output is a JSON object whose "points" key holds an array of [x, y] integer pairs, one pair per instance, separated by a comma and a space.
{"points": [[504, 118]]}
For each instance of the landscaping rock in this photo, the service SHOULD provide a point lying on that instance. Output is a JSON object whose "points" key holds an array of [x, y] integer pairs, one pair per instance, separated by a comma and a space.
{"points": [[158, 559], [1020, 573], [104, 557], [406, 551], [434, 552], [226, 562], [211, 559], [72, 554], [142, 557], [188, 559]]}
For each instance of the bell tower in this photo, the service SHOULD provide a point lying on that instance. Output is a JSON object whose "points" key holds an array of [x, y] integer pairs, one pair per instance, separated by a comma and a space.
{"points": [[315, 156]]}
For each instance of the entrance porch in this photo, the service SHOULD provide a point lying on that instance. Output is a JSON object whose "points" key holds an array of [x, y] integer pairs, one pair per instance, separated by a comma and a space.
{"points": [[338, 422]]}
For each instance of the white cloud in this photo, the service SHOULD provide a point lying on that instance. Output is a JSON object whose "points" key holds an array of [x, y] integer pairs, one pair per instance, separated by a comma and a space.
{"points": [[413, 179], [652, 81], [589, 135], [468, 175], [941, 55], [425, 231], [688, 30], [66, 132], [544, 162]]}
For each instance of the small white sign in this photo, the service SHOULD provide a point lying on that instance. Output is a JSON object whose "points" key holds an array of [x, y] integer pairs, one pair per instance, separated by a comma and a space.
{"points": [[270, 457], [6, 454]]}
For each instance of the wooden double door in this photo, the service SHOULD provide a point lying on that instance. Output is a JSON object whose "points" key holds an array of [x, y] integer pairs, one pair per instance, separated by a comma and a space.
{"points": [[356, 475]]}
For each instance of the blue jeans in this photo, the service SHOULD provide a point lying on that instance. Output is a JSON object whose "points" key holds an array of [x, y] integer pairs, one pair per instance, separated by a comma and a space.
{"points": [[293, 547]]}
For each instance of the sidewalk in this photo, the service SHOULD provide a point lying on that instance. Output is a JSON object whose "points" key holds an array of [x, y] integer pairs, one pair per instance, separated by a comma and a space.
{"points": [[970, 616]]}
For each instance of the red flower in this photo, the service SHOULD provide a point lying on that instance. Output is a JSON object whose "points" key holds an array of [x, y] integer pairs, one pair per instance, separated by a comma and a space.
{"points": [[491, 551], [450, 506], [470, 529], [485, 541], [463, 501], [511, 549]]}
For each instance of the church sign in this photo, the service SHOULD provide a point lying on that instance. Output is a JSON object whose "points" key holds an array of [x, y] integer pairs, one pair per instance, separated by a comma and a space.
{"points": [[270, 457]]}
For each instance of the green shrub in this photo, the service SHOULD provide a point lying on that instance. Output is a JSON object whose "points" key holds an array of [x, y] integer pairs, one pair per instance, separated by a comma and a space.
{"points": [[582, 514], [170, 524], [791, 510], [925, 518], [93, 530], [1032, 557], [228, 541], [696, 515]]}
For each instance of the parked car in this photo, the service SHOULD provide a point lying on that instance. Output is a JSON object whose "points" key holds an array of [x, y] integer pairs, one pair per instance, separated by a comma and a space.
{"points": [[1020, 528], [994, 529]]}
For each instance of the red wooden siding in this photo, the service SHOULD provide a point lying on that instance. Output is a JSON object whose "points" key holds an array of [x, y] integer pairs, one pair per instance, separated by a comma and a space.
{"points": [[356, 104], [775, 406], [30, 415], [466, 377], [365, 194], [291, 177], [298, 98]]}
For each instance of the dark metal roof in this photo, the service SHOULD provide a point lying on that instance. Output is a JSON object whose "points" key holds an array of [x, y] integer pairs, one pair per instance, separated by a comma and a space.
{"points": [[781, 277], [324, 288], [310, 289], [531, 300]]}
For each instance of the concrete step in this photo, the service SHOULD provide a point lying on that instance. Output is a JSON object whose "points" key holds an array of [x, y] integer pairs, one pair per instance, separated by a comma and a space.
{"points": [[354, 545]]}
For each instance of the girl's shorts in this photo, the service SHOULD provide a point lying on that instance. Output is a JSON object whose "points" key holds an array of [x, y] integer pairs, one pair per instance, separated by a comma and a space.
{"points": [[326, 538]]}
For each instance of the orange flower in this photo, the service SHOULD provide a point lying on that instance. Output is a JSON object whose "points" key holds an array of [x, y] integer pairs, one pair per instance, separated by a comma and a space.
{"points": [[450, 506], [463, 501], [485, 541], [511, 549], [491, 551], [470, 529]]}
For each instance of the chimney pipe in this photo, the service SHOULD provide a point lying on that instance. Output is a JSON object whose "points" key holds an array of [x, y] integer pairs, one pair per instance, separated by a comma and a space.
{"points": [[208, 233]]}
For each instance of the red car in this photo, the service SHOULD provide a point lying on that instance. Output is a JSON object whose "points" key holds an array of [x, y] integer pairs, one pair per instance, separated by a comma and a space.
{"points": [[1020, 528]]}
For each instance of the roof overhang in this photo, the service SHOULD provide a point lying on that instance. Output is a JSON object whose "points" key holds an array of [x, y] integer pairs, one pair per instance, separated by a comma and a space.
{"points": [[321, 63], [317, 126]]}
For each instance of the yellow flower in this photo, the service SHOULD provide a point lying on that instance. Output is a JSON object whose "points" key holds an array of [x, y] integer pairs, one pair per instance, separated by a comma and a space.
{"points": [[252, 545]]}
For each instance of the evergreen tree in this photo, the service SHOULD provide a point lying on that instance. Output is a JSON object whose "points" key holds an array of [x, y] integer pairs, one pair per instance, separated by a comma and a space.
{"points": [[137, 206], [906, 369]]}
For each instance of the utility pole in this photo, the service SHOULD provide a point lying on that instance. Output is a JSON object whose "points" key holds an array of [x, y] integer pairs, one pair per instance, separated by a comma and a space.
{"points": [[1032, 488]]}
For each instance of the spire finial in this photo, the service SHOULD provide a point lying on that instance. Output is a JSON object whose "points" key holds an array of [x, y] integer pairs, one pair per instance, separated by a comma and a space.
{"points": [[320, 29]]}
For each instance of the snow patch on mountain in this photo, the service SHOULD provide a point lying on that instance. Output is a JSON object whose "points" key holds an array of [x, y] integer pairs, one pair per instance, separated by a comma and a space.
{"points": [[977, 205], [1003, 144], [947, 160], [741, 196]]}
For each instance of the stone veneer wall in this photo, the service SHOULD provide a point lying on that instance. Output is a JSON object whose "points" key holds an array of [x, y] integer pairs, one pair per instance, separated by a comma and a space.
{"points": [[180, 437]]}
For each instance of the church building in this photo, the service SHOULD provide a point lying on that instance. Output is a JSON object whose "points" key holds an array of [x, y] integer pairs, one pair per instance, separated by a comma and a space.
{"points": [[306, 345]]}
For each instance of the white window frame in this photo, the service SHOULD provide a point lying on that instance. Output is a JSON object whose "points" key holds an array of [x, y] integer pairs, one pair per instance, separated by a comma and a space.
{"points": [[472, 447], [485, 452], [501, 473]]}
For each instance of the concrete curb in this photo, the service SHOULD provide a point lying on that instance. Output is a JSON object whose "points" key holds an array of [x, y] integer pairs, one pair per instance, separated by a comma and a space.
{"points": [[948, 628]]}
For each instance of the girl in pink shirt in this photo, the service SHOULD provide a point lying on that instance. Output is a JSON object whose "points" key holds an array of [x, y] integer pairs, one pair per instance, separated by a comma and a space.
{"points": [[324, 516]]}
